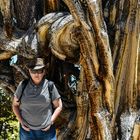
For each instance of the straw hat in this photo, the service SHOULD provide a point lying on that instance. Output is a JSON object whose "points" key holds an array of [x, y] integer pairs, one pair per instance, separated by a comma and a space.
{"points": [[36, 64]]}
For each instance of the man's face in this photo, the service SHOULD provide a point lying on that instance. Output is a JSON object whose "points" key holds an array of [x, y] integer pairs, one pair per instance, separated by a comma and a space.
{"points": [[37, 75]]}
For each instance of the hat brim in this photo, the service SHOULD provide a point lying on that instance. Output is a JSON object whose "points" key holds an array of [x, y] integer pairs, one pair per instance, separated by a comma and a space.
{"points": [[38, 67]]}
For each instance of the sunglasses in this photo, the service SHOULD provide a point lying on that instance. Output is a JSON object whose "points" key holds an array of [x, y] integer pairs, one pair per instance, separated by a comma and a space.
{"points": [[40, 71]]}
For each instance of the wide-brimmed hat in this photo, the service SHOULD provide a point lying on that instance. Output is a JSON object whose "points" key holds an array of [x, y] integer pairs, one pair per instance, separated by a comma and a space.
{"points": [[36, 64]]}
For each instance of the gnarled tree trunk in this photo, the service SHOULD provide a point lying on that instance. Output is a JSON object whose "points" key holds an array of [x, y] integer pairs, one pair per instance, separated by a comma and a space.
{"points": [[97, 43]]}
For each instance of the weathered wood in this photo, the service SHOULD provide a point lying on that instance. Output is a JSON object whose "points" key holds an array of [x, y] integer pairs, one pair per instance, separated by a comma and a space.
{"points": [[51, 6], [82, 119], [5, 55], [5, 8], [128, 63], [104, 40], [136, 132], [95, 93], [25, 18]]}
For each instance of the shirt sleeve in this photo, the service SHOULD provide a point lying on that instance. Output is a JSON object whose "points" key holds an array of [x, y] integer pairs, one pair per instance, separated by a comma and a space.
{"points": [[54, 92], [18, 91]]}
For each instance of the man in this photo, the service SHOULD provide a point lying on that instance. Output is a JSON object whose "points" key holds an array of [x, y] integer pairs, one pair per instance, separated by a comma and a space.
{"points": [[33, 106]]}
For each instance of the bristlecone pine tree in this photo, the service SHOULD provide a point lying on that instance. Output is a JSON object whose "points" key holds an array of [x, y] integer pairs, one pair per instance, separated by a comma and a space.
{"points": [[91, 49]]}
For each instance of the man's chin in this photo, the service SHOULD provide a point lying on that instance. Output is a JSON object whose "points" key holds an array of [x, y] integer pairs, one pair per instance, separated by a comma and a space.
{"points": [[37, 80]]}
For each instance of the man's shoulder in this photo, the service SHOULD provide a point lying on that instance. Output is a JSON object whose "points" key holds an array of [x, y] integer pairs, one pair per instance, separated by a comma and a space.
{"points": [[50, 82]]}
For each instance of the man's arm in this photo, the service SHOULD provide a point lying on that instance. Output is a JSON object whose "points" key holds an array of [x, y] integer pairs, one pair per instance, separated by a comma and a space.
{"points": [[58, 108], [15, 107]]}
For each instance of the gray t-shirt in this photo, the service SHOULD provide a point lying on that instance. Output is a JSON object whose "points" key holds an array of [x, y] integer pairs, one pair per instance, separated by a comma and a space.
{"points": [[36, 104]]}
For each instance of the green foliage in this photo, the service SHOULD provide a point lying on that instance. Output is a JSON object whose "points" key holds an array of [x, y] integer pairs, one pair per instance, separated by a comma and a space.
{"points": [[8, 123]]}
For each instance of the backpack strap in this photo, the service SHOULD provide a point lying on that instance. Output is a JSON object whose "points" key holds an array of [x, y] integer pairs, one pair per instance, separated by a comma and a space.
{"points": [[24, 84], [50, 87]]}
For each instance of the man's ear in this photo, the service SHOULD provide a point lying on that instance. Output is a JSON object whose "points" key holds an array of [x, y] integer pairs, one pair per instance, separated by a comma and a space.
{"points": [[44, 71]]}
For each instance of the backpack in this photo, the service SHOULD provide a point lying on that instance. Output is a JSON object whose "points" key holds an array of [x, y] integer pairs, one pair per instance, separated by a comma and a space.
{"points": [[25, 82]]}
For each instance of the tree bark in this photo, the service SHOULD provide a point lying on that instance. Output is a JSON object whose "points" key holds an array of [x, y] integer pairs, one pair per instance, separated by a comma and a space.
{"points": [[102, 38], [25, 18]]}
